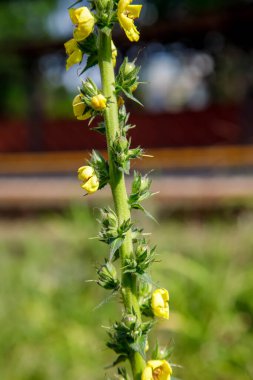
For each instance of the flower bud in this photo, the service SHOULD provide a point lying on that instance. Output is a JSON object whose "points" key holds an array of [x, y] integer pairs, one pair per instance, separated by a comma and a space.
{"points": [[109, 218], [159, 303], [129, 67], [145, 183], [129, 320], [141, 249], [145, 289], [98, 102], [122, 142], [92, 185], [79, 108], [85, 172], [108, 276]]}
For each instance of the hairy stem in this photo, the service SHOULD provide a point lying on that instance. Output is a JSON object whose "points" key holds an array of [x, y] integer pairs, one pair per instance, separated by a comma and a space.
{"points": [[118, 187]]}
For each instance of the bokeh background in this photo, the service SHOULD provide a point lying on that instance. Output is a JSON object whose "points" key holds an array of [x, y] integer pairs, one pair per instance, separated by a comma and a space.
{"points": [[196, 58]]}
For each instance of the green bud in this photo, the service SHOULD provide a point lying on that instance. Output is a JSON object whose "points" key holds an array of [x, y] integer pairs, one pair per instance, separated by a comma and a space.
{"points": [[145, 184], [129, 67], [145, 289], [122, 142], [89, 88], [109, 218], [107, 276], [141, 249], [127, 79], [129, 320]]}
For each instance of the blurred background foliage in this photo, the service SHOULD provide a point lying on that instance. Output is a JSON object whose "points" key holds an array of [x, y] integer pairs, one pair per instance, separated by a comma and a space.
{"points": [[51, 328]]}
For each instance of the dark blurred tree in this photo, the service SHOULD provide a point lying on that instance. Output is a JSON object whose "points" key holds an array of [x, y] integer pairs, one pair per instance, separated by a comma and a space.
{"points": [[24, 19], [171, 7], [21, 21]]}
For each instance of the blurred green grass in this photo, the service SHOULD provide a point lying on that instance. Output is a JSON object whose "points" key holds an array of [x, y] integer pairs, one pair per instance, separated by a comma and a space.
{"points": [[50, 330]]}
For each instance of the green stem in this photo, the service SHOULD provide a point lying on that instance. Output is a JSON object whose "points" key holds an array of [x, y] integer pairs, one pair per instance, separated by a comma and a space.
{"points": [[118, 187]]}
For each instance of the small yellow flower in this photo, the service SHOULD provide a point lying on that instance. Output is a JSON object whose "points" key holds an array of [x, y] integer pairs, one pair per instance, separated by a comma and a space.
{"points": [[88, 176], [85, 172], [157, 370], [126, 15], [98, 102], [75, 55], [159, 303], [92, 185], [79, 108], [120, 101], [84, 21], [114, 54]]}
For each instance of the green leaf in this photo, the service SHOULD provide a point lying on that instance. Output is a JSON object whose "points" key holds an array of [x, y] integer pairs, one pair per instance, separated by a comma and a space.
{"points": [[138, 206], [115, 245], [77, 2], [100, 128], [120, 359], [89, 45], [140, 345], [91, 61]]}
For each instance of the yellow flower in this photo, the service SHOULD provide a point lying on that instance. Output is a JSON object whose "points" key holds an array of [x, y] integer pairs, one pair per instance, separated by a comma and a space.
{"points": [[85, 172], [157, 370], [114, 54], [92, 185], [84, 21], [98, 102], [159, 303], [126, 15], [75, 55], [88, 176], [79, 108]]}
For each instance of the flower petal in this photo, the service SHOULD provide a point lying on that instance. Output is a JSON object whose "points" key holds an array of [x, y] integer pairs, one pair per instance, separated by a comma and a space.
{"points": [[123, 4], [126, 14], [92, 185], [147, 374], [133, 11], [70, 46], [74, 58], [85, 172]]}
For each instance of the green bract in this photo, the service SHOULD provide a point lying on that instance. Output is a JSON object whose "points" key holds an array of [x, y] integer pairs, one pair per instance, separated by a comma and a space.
{"points": [[101, 167], [112, 232], [127, 80], [122, 154], [107, 276]]}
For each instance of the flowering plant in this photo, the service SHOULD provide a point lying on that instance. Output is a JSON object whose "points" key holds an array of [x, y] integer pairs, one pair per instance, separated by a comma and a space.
{"points": [[128, 337]]}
